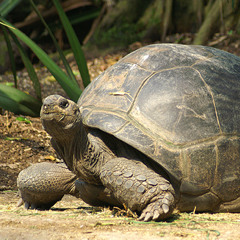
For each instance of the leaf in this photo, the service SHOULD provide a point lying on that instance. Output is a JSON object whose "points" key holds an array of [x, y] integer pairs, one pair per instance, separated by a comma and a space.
{"points": [[7, 6], [23, 119], [10, 84], [18, 102], [65, 63], [13, 138], [29, 67], [74, 43], [11, 55], [72, 89]]}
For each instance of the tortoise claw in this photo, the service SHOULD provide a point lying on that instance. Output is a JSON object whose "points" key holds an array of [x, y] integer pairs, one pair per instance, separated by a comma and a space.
{"points": [[156, 211], [20, 202], [26, 205]]}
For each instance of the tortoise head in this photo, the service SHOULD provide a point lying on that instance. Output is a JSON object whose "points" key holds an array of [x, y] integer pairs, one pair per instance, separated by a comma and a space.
{"points": [[60, 117]]}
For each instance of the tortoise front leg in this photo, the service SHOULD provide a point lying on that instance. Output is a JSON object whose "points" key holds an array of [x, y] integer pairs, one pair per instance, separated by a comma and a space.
{"points": [[139, 187]]}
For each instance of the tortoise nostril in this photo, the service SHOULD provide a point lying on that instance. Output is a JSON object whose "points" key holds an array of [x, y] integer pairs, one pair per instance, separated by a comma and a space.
{"points": [[45, 106]]}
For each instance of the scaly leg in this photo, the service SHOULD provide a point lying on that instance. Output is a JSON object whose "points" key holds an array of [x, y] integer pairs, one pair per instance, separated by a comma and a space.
{"points": [[139, 187], [43, 184]]}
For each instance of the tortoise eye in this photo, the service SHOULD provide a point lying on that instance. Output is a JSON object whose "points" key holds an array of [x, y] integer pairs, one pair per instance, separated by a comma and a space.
{"points": [[64, 104]]}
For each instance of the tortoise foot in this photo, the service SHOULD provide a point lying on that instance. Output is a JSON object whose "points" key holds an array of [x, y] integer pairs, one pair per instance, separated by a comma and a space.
{"points": [[160, 209], [140, 188]]}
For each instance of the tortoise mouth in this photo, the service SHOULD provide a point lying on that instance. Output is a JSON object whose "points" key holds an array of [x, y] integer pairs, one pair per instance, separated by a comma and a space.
{"points": [[48, 116], [65, 119], [51, 113], [45, 114]]}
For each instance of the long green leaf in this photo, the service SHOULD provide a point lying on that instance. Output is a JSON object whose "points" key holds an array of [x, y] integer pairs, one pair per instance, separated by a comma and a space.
{"points": [[7, 6], [72, 89], [29, 67], [64, 60], [11, 55], [18, 102], [75, 44]]}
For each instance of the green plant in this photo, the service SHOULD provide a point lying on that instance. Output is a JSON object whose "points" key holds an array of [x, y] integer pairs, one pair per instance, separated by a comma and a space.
{"points": [[21, 103], [121, 35]]}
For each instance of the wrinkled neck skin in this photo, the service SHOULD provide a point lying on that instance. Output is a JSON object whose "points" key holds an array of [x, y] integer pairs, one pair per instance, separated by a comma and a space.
{"points": [[82, 152]]}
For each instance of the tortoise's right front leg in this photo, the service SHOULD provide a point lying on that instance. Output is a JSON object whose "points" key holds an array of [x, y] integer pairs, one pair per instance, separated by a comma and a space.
{"points": [[139, 188]]}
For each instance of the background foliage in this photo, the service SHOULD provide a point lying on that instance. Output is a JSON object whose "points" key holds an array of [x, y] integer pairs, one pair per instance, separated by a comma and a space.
{"points": [[47, 26]]}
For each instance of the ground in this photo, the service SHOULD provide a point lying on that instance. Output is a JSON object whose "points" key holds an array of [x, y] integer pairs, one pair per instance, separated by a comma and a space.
{"points": [[73, 219], [23, 142]]}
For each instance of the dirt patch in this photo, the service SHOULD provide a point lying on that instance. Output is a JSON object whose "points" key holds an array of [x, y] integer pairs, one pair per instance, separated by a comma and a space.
{"points": [[73, 219], [21, 144]]}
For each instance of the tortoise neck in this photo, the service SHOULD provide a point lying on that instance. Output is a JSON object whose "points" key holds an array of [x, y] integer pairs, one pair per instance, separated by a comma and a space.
{"points": [[81, 156], [74, 145]]}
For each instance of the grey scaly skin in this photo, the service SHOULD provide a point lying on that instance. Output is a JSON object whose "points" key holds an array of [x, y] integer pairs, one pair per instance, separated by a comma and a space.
{"points": [[43, 184], [99, 160]]}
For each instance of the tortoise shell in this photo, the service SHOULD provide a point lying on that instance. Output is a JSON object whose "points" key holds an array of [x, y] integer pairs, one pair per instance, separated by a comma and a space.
{"points": [[180, 106]]}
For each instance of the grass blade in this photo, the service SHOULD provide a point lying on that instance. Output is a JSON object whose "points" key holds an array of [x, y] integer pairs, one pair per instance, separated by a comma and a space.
{"points": [[29, 67], [18, 102], [75, 45], [11, 55], [64, 60], [7, 6], [72, 89]]}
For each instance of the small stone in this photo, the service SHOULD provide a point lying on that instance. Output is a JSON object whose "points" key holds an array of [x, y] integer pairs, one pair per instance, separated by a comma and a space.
{"points": [[140, 189], [128, 174], [152, 182], [141, 177], [128, 184]]}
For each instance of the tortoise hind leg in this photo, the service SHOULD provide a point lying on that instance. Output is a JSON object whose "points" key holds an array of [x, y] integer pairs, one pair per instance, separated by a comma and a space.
{"points": [[233, 206], [43, 184], [207, 202]]}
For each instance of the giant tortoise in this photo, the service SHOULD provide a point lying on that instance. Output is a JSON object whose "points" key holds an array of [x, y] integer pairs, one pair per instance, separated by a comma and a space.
{"points": [[159, 129]]}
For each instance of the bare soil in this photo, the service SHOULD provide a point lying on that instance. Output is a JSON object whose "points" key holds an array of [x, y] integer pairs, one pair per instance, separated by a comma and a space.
{"points": [[23, 144], [73, 219]]}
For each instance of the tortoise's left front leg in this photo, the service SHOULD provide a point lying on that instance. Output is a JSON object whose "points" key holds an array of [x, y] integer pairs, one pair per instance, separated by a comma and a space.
{"points": [[140, 188], [43, 184]]}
